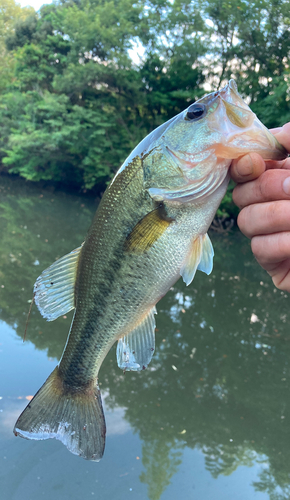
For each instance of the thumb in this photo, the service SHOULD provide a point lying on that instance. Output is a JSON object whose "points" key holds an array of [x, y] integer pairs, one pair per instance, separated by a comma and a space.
{"points": [[247, 168]]}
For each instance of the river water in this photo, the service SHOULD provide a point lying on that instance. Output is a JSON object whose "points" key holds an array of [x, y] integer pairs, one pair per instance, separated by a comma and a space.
{"points": [[210, 417]]}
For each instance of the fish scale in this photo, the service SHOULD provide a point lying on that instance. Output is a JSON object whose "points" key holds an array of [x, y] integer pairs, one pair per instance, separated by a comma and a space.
{"points": [[150, 228]]}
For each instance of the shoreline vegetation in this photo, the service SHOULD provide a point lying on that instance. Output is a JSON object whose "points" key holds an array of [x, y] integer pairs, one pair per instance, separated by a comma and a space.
{"points": [[83, 81], [223, 221]]}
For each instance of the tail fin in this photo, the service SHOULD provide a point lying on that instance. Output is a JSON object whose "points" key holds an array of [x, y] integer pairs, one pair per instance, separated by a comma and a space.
{"points": [[75, 417]]}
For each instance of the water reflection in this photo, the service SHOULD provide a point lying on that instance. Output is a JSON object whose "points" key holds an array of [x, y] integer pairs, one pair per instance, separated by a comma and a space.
{"points": [[219, 380]]}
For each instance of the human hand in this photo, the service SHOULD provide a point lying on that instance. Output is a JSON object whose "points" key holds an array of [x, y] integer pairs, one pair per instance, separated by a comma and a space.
{"points": [[263, 194]]}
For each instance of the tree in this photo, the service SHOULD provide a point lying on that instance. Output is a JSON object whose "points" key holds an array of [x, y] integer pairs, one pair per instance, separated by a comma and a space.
{"points": [[10, 13], [251, 42], [84, 105], [77, 103]]}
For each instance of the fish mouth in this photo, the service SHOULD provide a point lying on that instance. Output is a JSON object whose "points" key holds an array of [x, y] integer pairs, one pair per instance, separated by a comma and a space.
{"points": [[279, 152], [243, 131], [255, 139]]}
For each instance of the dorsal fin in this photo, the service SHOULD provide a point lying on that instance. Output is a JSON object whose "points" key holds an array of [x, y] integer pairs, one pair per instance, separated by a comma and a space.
{"points": [[199, 257], [54, 288], [135, 350]]}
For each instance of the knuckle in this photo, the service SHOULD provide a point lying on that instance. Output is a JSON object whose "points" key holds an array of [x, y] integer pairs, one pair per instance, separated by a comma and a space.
{"points": [[236, 197], [240, 195], [257, 247], [243, 220], [277, 212], [264, 185]]}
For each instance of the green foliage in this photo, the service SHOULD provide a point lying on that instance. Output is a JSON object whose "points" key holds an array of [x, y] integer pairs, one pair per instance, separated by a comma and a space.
{"points": [[274, 110], [74, 104], [57, 141], [227, 207], [10, 12]]}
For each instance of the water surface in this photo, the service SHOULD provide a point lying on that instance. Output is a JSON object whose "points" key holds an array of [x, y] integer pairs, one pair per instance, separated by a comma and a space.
{"points": [[209, 418]]}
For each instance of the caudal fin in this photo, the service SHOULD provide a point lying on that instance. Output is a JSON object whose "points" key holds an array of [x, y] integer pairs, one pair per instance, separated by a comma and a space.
{"points": [[74, 416]]}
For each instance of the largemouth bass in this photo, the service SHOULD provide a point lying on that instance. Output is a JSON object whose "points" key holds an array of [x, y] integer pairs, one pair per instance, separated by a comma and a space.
{"points": [[150, 228]]}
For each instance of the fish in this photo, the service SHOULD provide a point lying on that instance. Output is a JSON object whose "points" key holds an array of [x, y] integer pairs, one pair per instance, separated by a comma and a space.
{"points": [[149, 230]]}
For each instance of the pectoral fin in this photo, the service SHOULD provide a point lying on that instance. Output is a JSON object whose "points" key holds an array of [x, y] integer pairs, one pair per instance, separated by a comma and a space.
{"points": [[54, 288], [206, 262], [135, 350], [199, 258], [148, 230]]}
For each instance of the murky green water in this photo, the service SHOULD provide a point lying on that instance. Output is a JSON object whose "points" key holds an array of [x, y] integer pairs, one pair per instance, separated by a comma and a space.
{"points": [[209, 418]]}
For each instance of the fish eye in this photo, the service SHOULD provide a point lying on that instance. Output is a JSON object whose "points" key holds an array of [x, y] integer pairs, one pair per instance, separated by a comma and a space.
{"points": [[195, 111]]}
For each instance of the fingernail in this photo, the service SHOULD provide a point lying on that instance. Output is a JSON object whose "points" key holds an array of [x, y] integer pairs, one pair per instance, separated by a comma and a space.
{"points": [[245, 166], [286, 186]]}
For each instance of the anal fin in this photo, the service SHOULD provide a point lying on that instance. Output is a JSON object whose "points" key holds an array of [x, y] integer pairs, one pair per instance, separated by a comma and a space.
{"points": [[135, 350]]}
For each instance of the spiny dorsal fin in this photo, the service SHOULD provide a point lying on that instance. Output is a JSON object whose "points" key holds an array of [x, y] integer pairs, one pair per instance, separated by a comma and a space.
{"points": [[200, 257], [54, 288], [148, 230], [135, 350]]}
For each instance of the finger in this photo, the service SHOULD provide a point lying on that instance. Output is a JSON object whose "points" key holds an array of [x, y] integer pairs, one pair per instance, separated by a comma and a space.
{"points": [[283, 135], [247, 167], [281, 275], [271, 249], [265, 218], [272, 164], [275, 130], [273, 254], [270, 186]]}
